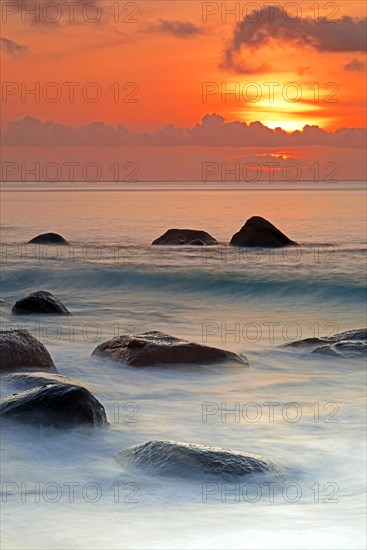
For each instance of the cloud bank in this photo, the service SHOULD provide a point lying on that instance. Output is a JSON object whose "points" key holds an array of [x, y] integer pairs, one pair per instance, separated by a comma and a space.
{"points": [[212, 131]]}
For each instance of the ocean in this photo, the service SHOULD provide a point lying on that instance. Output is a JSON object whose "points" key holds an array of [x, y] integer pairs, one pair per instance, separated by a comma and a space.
{"points": [[303, 411]]}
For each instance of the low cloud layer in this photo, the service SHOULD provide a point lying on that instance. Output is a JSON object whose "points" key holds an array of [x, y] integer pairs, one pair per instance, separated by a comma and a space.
{"points": [[212, 131], [345, 35]]}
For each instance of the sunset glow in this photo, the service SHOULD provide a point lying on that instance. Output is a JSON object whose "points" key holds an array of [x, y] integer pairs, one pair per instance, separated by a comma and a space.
{"points": [[148, 65]]}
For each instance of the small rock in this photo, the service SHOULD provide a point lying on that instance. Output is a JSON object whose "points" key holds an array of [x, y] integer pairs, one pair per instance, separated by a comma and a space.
{"points": [[348, 344], [190, 237], [259, 232], [48, 238], [40, 302]]}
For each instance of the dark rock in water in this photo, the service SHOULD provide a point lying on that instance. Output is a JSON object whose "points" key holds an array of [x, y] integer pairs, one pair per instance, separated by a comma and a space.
{"points": [[189, 461], [326, 350], [40, 302], [157, 348], [48, 238], [344, 349], [185, 237], [29, 380], [56, 405], [348, 344], [305, 343], [19, 350], [359, 334], [258, 232]]}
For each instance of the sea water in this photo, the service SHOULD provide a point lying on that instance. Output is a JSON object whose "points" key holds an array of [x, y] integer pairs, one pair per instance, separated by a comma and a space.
{"points": [[306, 413]]}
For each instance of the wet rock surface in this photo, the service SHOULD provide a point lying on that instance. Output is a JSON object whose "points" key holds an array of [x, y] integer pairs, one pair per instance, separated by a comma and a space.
{"points": [[20, 351], [57, 405], [348, 344], [185, 237], [40, 302], [157, 348], [48, 238], [259, 232], [190, 461], [29, 380]]}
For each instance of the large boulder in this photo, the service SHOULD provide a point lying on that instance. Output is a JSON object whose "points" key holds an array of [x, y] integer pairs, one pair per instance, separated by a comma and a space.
{"points": [[258, 232], [189, 461], [40, 302], [48, 238], [157, 348], [347, 344], [19, 350], [56, 405], [185, 237], [29, 380]]}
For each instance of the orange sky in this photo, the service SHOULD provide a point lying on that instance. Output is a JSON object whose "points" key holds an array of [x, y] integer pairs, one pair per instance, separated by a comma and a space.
{"points": [[174, 53]]}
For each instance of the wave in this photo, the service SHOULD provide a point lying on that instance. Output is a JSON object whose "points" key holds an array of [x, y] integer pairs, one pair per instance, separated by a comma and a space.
{"points": [[285, 285]]}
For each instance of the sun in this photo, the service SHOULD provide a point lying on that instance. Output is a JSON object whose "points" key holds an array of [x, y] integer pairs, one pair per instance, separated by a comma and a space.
{"points": [[283, 114]]}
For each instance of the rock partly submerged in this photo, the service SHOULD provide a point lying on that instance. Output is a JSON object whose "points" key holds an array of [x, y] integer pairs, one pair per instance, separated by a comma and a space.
{"points": [[30, 380], [190, 461], [185, 237], [40, 302], [56, 406], [259, 232], [157, 348], [48, 238], [348, 344], [20, 351]]}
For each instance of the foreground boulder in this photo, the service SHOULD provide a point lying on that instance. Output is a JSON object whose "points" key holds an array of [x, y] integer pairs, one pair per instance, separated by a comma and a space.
{"points": [[348, 344], [157, 348], [40, 302], [29, 380], [185, 237], [48, 238], [19, 350], [189, 461], [56, 405], [258, 232]]}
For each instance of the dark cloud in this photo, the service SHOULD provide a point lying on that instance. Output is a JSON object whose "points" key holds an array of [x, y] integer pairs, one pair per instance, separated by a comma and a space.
{"points": [[12, 48], [346, 35], [212, 131], [179, 29], [355, 65]]}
